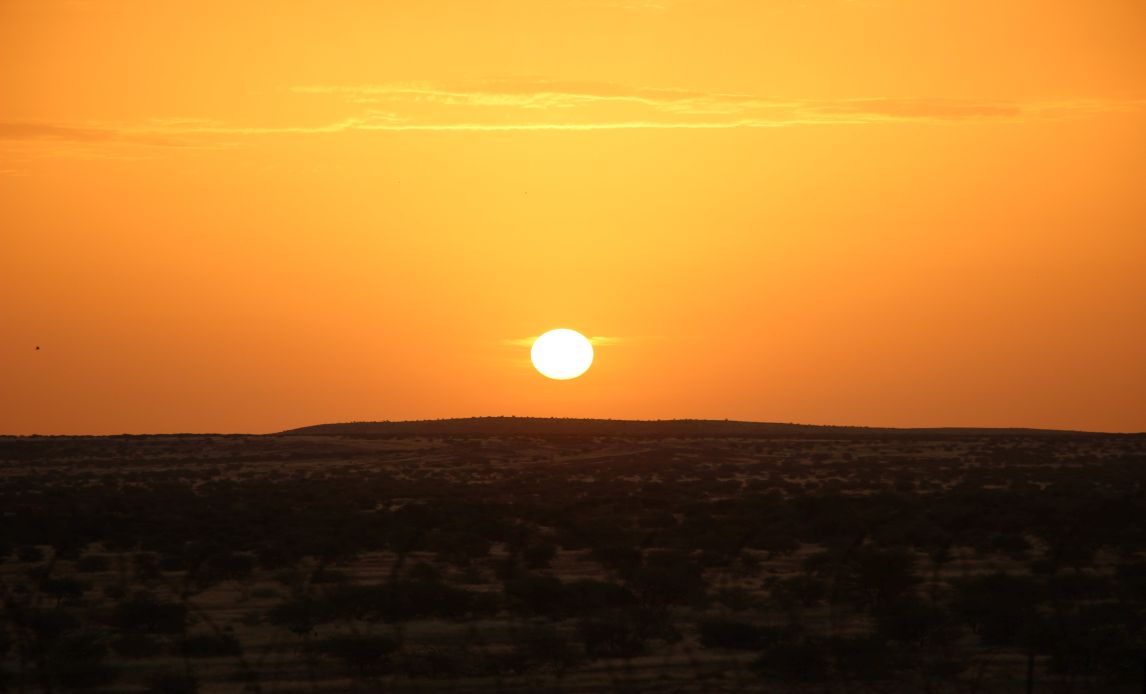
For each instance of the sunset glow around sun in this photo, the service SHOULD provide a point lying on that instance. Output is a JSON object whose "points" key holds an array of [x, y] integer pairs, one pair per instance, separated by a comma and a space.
{"points": [[562, 354]]}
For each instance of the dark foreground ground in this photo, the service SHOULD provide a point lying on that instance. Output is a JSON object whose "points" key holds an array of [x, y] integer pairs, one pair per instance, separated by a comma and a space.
{"points": [[530, 557]]}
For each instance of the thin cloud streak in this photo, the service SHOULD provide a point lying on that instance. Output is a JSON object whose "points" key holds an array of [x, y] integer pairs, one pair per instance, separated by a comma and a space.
{"points": [[542, 94], [24, 131], [603, 341], [595, 340], [747, 110], [538, 105]]}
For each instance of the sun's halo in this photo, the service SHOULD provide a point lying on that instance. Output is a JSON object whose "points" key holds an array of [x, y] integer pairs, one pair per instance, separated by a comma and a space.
{"points": [[562, 354]]}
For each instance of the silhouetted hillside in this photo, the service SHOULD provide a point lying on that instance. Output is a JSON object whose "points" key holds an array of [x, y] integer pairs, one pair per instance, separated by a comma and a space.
{"points": [[538, 426]]}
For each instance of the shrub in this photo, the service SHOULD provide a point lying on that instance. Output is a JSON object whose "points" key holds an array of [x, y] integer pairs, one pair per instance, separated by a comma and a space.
{"points": [[614, 635], [225, 566], [171, 682], [143, 613], [1000, 608], [29, 554], [211, 646], [912, 620], [802, 590], [735, 599], [93, 563], [539, 645], [668, 578], [539, 556], [866, 576], [587, 595], [134, 646], [301, 615], [77, 662], [804, 661], [443, 662], [542, 595], [863, 658], [63, 588], [622, 558], [115, 591], [49, 625], [422, 571], [734, 635], [367, 655], [330, 577]]}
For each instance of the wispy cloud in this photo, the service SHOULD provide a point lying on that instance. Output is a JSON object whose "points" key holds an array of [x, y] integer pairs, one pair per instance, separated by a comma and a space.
{"points": [[532, 103], [80, 133], [595, 340], [639, 5], [603, 341], [537, 94], [535, 104]]}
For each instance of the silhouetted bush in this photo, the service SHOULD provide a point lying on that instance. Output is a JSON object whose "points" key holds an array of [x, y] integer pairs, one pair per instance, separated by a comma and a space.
{"points": [[797, 591], [734, 635], [329, 576], [1000, 608], [76, 661], [539, 556], [398, 600], [143, 613], [668, 578], [444, 662], [866, 576], [224, 566], [611, 635], [458, 548], [134, 646], [803, 661], [539, 645], [915, 621], [29, 554], [863, 658], [536, 594], [211, 645], [63, 588], [1131, 579], [624, 559], [48, 625], [171, 682], [421, 571], [587, 596], [301, 615], [93, 563], [1099, 640], [365, 655]]}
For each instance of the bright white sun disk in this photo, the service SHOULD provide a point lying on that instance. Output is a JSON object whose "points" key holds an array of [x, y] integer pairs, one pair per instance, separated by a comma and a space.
{"points": [[562, 354]]}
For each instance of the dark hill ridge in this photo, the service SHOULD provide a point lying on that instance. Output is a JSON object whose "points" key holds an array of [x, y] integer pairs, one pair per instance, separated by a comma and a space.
{"points": [[661, 428]]}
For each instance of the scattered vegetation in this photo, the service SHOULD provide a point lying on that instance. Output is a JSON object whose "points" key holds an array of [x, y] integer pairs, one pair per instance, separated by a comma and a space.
{"points": [[834, 558]]}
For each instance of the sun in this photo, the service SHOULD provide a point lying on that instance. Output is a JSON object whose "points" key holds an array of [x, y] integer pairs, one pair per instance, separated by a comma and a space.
{"points": [[562, 354]]}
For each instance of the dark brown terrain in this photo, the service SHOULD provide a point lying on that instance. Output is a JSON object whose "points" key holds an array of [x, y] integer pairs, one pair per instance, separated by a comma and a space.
{"points": [[506, 554]]}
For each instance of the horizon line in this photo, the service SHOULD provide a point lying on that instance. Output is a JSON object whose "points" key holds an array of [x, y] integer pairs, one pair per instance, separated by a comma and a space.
{"points": [[693, 420]]}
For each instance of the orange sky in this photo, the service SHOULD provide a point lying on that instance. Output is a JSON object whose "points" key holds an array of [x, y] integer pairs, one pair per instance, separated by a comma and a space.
{"points": [[244, 216]]}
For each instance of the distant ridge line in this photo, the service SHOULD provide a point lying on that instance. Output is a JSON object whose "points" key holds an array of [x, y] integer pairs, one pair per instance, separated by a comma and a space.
{"points": [[657, 428]]}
